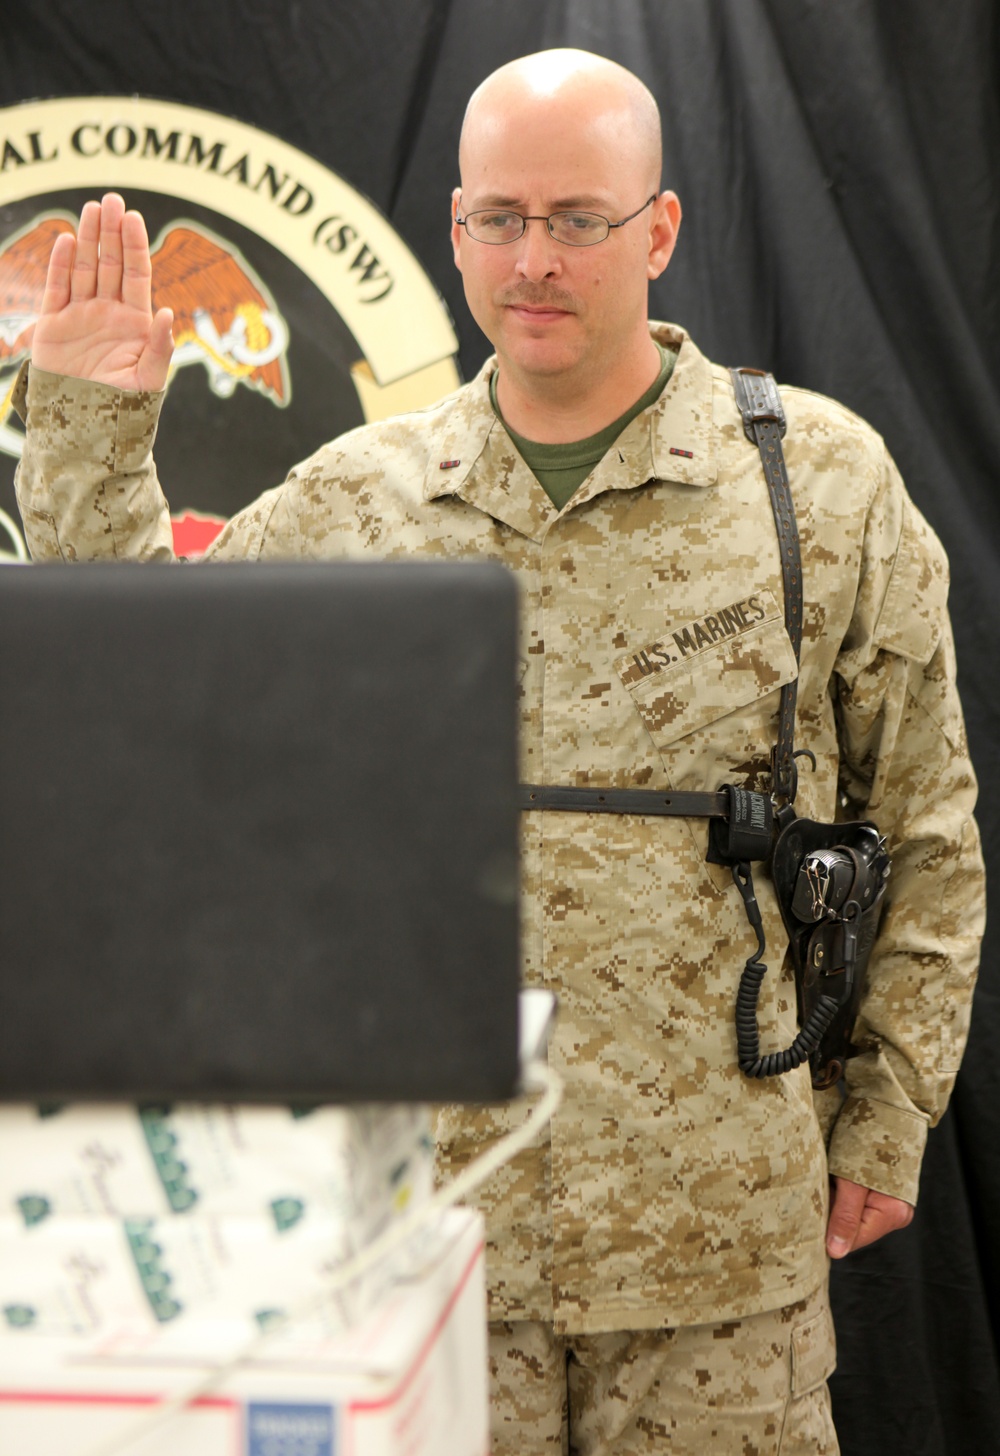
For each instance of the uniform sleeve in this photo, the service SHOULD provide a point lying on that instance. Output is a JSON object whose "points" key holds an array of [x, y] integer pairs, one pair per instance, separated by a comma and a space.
{"points": [[87, 485], [905, 764]]}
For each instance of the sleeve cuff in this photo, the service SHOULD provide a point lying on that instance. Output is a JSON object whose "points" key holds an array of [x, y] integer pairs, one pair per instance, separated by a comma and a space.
{"points": [[38, 389], [878, 1146], [101, 414], [86, 484]]}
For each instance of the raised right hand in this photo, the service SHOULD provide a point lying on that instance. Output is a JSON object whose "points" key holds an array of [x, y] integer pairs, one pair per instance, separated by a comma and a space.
{"points": [[97, 320]]}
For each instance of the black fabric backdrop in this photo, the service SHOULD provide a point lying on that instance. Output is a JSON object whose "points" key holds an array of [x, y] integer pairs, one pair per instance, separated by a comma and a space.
{"points": [[838, 167]]}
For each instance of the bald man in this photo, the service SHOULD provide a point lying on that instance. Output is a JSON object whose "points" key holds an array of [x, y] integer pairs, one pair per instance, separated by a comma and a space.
{"points": [[658, 1268]]}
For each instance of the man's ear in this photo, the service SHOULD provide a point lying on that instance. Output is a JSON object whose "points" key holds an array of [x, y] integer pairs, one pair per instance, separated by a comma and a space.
{"points": [[663, 228], [456, 231]]}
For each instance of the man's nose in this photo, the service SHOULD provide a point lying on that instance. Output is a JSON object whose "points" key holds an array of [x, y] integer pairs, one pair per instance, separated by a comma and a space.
{"points": [[538, 252]]}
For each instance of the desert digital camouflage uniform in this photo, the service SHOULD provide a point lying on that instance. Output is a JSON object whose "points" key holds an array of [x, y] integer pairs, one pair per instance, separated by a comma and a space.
{"points": [[673, 1191], [752, 1387]]}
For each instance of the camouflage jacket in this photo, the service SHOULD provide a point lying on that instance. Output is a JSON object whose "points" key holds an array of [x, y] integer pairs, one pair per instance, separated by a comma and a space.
{"points": [[672, 1190]]}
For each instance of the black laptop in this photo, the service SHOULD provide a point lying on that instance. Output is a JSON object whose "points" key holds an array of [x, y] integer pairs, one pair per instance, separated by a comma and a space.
{"points": [[258, 832]]}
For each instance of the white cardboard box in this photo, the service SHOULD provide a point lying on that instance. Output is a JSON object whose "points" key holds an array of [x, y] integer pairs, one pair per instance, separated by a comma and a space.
{"points": [[177, 1232], [356, 1164], [409, 1380]]}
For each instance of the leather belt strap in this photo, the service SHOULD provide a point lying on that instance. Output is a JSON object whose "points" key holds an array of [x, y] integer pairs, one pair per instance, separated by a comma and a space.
{"points": [[623, 801], [764, 424]]}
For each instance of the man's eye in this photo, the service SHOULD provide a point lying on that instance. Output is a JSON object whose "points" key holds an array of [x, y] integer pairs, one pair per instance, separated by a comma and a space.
{"points": [[579, 222], [497, 221]]}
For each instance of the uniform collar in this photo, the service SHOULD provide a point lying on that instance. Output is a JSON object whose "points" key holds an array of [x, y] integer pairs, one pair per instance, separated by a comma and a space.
{"points": [[673, 440]]}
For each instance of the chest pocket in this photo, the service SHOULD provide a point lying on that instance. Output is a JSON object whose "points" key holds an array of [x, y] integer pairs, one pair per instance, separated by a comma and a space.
{"points": [[712, 714]]}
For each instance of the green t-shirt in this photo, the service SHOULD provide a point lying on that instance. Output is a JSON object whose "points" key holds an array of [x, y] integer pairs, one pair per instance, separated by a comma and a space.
{"points": [[560, 469]]}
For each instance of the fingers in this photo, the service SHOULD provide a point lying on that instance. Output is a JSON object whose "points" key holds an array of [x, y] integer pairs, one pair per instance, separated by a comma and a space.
{"points": [[83, 283], [57, 279], [112, 254], [137, 270], [845, 1217], [154, 362], [882, 1215], [860, 1216], [109, 261]]}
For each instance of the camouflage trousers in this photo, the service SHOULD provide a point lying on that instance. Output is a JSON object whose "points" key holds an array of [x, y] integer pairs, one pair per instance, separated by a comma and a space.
{"points": [[749, 1387]]}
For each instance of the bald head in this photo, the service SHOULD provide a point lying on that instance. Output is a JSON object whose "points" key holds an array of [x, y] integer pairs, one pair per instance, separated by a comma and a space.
{"points": [[569, 88]]}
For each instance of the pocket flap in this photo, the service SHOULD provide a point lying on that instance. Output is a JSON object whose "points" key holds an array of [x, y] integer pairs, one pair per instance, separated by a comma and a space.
{"points": [[701, 671], [814, 1352]]}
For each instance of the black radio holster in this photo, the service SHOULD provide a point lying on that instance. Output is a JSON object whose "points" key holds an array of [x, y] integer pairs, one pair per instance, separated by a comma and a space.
{"points": [[830, 881]]}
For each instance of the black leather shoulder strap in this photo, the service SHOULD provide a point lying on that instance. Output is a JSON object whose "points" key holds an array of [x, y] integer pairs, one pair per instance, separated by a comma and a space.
{"points": [[764, 422]]}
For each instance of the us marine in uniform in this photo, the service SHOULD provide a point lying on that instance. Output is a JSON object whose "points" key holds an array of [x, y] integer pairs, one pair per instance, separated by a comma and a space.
{"points": [[658, 1265]]}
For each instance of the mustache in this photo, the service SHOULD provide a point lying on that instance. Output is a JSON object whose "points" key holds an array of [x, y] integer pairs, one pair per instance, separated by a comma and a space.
{"points": [[536, 295]]}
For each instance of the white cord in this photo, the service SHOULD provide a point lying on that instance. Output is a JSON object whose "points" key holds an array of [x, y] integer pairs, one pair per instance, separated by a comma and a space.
{"points": [[537, 1077], [17, 540]]}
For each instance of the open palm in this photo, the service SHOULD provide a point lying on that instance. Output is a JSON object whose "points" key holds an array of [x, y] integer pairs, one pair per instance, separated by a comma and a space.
{"points": [[97, 320]]}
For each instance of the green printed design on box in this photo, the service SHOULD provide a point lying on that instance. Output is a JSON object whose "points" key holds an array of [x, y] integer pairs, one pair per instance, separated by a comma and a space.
{"points": [[267, 1318], [50, 1109], [156, 1280], [171, 1171], [303, 1109], [34, 1208], [287, 1212], [19, 1316]]}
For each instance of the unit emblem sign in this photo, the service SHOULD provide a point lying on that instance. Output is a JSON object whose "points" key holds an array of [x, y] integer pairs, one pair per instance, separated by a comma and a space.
{"points": [[299, 312]]}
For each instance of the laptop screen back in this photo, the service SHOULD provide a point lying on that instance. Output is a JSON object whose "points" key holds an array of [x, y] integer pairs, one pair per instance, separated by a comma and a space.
{"points": [[258, 832]]}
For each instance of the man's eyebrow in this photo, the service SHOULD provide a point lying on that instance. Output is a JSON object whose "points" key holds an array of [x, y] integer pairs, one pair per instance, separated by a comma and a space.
{"points": [[582, 202], [578, 202]]}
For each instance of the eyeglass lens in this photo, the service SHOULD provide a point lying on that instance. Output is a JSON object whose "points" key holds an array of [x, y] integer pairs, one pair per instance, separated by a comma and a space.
{"points": [[579, 229]]}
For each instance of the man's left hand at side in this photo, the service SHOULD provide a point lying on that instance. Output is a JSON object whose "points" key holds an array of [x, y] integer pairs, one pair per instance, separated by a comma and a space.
{"points": [[859, 1216]]}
